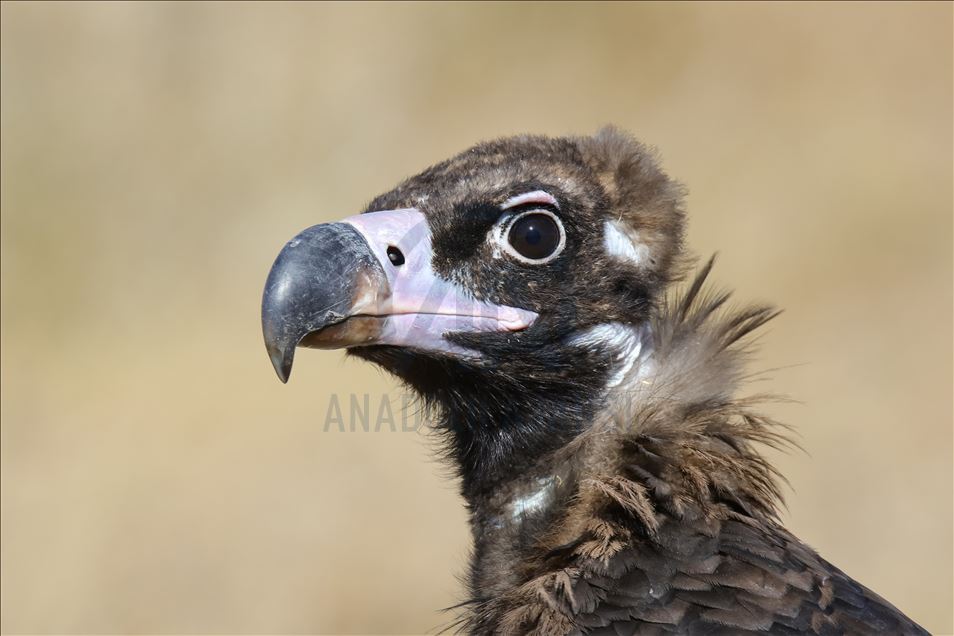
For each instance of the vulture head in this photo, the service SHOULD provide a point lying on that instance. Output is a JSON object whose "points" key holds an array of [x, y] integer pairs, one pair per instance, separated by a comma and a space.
{"points": [[510, 286], [613, 478]]}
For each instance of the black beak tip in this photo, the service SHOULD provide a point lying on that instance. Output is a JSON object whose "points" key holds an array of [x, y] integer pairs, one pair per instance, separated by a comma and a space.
{"points": [[281, 361], [278, 344]]}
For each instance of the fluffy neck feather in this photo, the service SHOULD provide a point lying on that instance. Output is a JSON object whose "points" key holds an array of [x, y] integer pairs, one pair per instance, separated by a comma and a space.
{"points": [[666, 442]]}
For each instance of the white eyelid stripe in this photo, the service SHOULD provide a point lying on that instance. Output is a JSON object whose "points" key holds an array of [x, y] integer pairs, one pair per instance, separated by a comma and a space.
{"points": [[537, 196]]}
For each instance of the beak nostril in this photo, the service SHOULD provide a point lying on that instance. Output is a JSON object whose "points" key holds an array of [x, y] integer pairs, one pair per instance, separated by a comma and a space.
{"points": [[395, 256]]}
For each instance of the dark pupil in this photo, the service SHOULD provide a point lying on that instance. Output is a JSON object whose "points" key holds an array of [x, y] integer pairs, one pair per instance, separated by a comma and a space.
{"points": [[535, 236]]}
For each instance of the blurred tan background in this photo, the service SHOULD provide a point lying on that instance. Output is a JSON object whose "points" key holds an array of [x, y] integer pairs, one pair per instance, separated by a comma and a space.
{"points": [[157, 477]]}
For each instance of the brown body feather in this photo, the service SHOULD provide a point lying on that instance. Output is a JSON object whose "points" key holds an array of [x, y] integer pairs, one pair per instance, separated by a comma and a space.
{"points": [[664, 514]]}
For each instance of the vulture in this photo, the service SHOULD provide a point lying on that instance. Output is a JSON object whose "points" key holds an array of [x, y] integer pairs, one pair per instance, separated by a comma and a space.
{"points": [[613, 477]]}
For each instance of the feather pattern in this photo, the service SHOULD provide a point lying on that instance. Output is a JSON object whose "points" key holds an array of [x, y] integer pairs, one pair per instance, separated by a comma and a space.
{"points": [[670, 515]]}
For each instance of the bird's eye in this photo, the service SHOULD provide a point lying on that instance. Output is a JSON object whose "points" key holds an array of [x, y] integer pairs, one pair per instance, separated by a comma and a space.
{"points": [[536, 236]]}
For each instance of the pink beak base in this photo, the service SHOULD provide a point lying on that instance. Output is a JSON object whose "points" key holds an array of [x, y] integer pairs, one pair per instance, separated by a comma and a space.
{"points": [[419, 307]]}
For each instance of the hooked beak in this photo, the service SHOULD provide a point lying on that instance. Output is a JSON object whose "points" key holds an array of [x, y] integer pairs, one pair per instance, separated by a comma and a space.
{"points": [[335, 285]]}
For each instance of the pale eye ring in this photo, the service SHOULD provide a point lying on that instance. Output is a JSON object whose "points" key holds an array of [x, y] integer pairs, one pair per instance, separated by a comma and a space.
{"points": [[535, 236]]}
